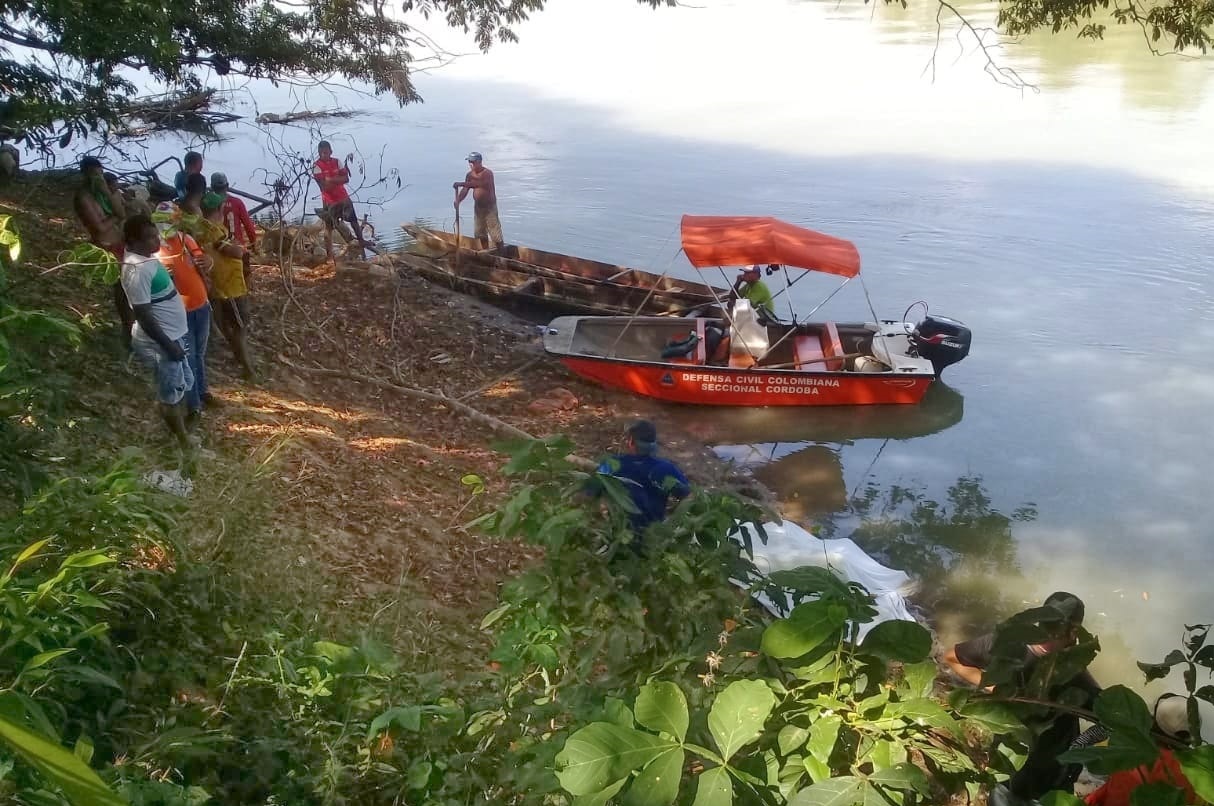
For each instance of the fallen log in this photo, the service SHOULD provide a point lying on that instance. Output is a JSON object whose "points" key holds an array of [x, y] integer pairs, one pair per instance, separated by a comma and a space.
{"points": [[291, 117], [175, 110]]}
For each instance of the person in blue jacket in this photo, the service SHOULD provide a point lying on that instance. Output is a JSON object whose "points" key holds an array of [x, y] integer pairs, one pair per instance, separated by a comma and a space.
{"points": [[650, 481]]}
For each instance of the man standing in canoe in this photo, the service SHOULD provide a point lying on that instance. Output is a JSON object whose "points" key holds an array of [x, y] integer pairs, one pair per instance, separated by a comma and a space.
{"points": [[484, 197]]}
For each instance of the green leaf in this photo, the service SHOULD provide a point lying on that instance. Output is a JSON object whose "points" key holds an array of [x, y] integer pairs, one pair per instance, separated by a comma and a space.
{"points": [[658, 783], [493, 615], [1058, 798], [617, 712], [903, 641], [601, 797], [845, 791], [737, 716], [58, 766], [920, 678], [1198, 766], [806, 628], [662, 707], [904, 776], [407, 717], [714, 788], [924, 712], [601, 753], [43, 658], [88, 559], [419, 775], [822, 736], [1157, 794], [26, 553], [1205, 693], [791, 737], [994, 716], [333, 653]]}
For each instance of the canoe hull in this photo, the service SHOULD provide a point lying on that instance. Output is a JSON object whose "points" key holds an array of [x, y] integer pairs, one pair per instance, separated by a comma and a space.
{"points": [[723, 386]]}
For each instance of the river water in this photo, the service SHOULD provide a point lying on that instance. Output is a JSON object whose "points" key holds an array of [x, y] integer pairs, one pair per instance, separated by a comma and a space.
{"points": [[1069, 225]]}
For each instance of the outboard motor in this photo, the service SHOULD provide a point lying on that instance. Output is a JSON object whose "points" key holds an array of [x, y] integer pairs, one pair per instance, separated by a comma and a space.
{"points": [[942, 341]]}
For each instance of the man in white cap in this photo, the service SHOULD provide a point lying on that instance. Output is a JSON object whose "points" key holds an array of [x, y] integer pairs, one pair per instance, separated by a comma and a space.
{"points": [[749, 285], [1172, 720], [484, 197]]}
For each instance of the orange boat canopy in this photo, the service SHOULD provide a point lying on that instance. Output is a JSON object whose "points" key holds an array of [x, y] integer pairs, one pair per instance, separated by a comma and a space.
{"points": [[743, 240]]}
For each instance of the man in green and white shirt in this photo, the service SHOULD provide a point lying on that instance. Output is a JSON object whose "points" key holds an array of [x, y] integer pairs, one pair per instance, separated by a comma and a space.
{"points": [[159, 336]]}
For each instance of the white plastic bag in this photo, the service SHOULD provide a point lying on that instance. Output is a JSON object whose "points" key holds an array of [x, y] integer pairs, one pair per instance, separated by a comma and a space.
{"points": [[790, 546]]}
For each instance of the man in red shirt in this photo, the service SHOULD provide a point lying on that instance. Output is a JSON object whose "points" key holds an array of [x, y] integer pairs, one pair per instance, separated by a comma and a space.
{"points": [[1171, 719], [236, 218], [332, 178]]}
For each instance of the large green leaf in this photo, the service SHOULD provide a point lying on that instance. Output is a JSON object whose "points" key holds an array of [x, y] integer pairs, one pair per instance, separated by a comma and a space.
{"points": [[714, 788], [790, 738], [601, 753], [900, 776], [662, 707], [996, 717], [1157, 794], [903, 641], [1198, 767], [924, 712], [658, 784], [58, 766], [920, 678], [845, 791], [408, 717], [805, 629], [738, 714], [1130, 744], [601, 797], [822, 736]]}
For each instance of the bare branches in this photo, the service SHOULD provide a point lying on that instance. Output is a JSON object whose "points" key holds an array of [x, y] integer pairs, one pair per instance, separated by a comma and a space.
{"points": [[1001, 73]]}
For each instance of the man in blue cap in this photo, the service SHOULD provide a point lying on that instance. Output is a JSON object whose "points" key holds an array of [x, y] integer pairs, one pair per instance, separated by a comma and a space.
{"points": [[650, 481], [479, 180]]}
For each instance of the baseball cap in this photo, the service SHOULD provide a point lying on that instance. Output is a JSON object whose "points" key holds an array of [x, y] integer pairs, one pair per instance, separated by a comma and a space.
{"points": [[644, 434], [1068, 604], [752, 269], [1172, 714], [219, 181], [475, 156], [211, 201]]}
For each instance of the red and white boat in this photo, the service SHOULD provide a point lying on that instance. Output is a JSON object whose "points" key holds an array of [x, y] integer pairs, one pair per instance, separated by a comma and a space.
{"points": [[748, 358]]}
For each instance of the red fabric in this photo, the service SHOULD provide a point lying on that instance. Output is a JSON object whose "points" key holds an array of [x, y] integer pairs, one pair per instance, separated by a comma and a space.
{"points": [[1120, 786], [236, 219], [325, 169], [176, 255], [743, 240]]}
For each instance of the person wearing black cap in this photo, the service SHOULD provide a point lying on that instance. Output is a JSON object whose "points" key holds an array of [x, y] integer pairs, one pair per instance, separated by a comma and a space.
{"points": [[102, 212], [1041, 771], [479, 180], [650, 481]]}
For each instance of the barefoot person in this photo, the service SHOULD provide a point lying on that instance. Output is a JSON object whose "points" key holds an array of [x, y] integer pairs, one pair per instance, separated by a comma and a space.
{"points": [[484, 201], [230, 300], [101, 211], [332, 177], [159, 338]]}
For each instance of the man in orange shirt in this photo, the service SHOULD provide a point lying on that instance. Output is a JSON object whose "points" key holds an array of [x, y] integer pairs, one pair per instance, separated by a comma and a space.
{"points": [[1171, 719], [188, 265], [332, 177]]}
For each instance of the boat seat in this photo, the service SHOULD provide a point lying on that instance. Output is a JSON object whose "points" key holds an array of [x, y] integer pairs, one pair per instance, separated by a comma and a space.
{"points": [[698, 354], [747, 336], [832, 345], [805, 350]]}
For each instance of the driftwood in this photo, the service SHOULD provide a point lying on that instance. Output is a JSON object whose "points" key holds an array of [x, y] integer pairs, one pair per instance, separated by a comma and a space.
{"points": [[292, 117], [175, 110]]}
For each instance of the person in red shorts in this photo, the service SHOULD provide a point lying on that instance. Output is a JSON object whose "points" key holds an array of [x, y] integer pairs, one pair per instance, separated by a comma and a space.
{"points": [[332, 177]]}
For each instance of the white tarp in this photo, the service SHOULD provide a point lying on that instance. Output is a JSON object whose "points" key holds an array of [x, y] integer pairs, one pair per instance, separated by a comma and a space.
{"points": [[790, 546]]}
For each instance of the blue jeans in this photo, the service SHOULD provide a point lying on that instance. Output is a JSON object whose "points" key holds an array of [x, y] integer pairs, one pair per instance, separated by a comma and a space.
{"points": [[174, 380], [199, 323]]}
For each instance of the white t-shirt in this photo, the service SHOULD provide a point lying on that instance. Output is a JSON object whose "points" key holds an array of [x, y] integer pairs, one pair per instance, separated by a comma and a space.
{"points": [[146, 281]]}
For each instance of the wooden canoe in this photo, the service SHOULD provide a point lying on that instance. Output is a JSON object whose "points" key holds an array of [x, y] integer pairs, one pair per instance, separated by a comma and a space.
{"points": [[554, 281]]}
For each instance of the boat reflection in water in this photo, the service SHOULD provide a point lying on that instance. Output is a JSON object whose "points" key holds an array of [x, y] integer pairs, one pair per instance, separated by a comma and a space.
{"points": [[795, 452]]}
